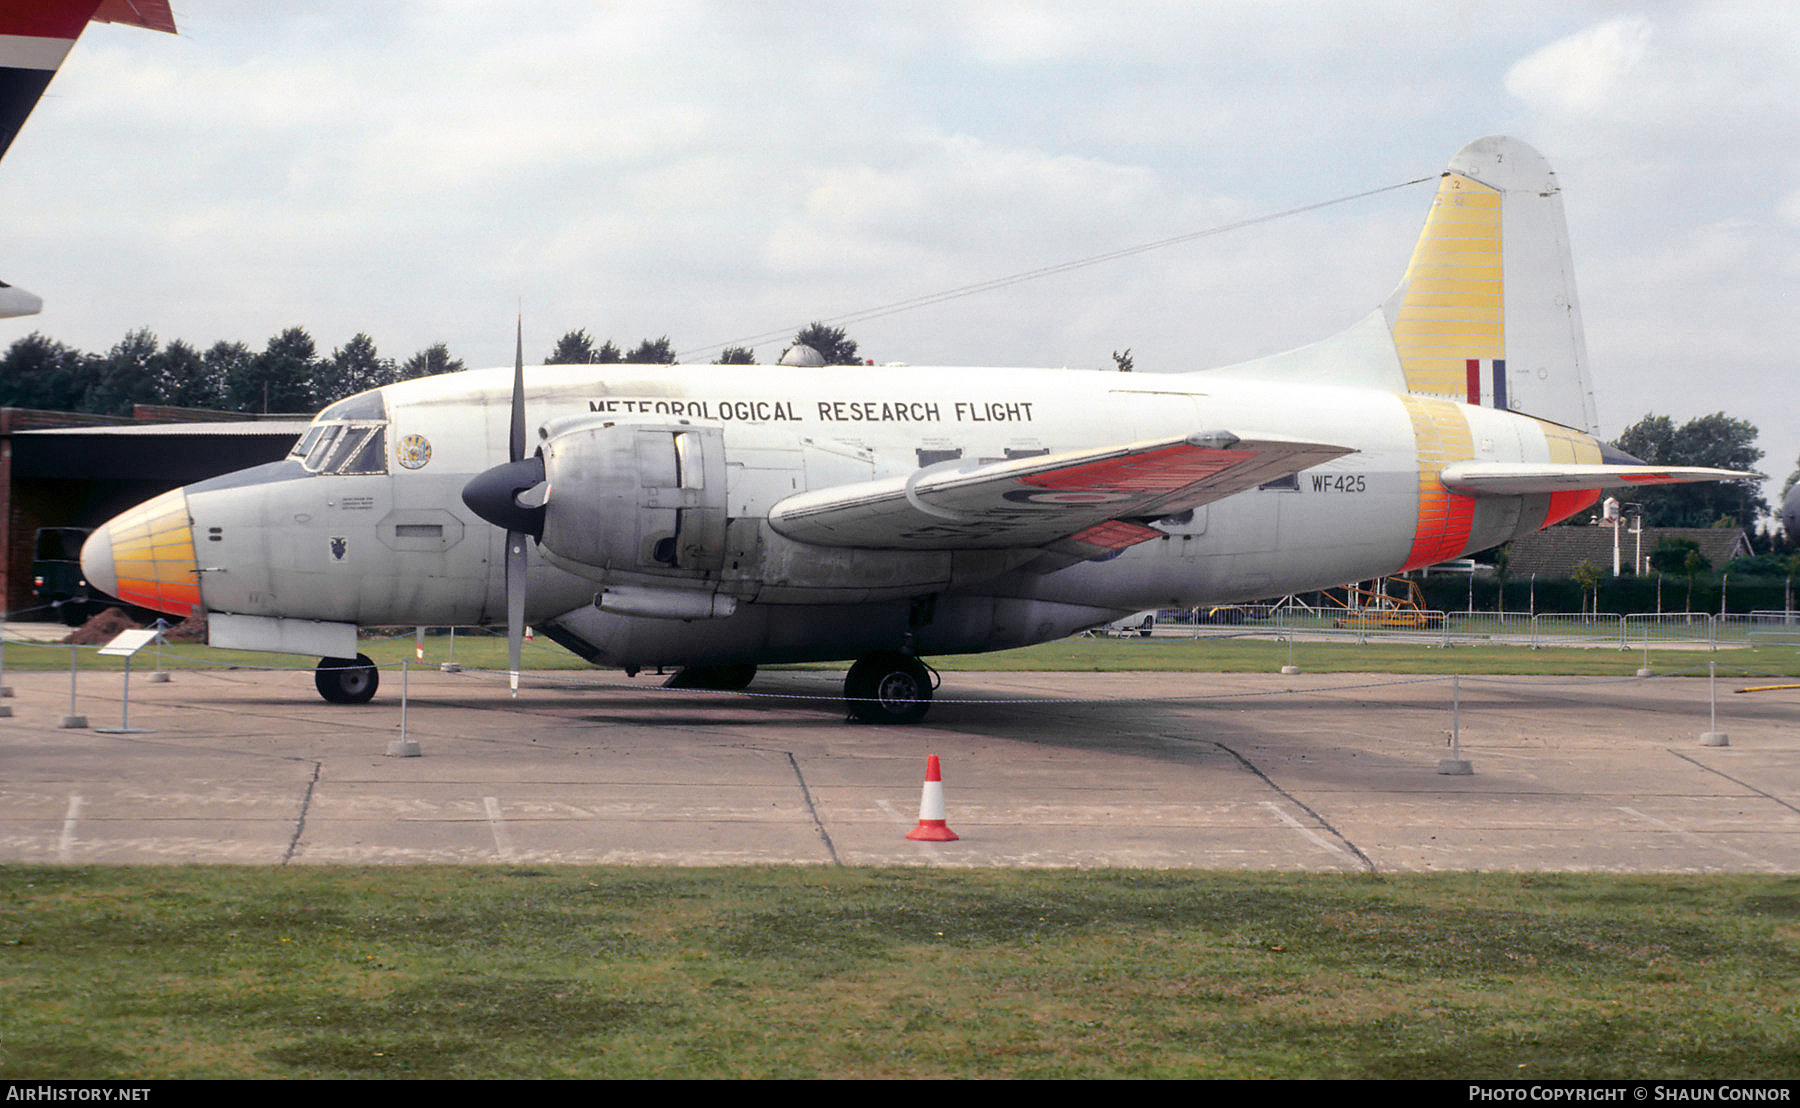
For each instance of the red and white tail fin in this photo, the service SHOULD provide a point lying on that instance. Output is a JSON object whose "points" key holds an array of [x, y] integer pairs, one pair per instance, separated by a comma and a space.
{"points": [[1487, 313], [35, 37]]}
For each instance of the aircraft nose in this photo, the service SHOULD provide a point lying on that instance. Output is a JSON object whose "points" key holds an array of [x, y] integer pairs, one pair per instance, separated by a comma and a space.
{"points": [[146, 557]]}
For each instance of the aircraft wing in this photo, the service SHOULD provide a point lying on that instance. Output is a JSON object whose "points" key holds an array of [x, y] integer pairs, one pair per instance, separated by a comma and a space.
{"points": [[1081, 502], [1517, 478]]}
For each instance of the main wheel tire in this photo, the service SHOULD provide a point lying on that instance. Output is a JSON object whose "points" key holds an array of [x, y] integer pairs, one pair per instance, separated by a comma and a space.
{"points": [[888, 687], [343, 681]]}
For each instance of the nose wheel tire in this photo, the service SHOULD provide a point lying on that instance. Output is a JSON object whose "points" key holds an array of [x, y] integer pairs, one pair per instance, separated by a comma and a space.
{"points": [[343, 681], [888, 687]]}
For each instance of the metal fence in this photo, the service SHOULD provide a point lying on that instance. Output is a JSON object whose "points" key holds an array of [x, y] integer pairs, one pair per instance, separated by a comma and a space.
{"points": [[1638, 631]]}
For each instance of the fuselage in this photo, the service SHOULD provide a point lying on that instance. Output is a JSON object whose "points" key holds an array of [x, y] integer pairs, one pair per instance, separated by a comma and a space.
{"points": [[363, 524]]}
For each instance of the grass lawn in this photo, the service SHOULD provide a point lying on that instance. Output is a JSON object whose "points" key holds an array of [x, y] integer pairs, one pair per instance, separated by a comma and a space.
{"points": [[231, 972]]}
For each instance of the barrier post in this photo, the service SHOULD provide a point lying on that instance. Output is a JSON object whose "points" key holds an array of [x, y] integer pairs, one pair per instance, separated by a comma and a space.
{"points": [[1713, 736], [403, 747], [1455, 765], [73, 718], [161, 676], [5, 689]]}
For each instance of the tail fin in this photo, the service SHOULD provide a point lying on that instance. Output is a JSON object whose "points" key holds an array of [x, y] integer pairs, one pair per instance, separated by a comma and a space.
{"points": [[1486, 313], [36, 37], [34, 40]]}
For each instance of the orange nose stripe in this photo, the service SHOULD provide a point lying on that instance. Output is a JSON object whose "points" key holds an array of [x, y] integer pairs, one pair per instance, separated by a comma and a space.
{"points": [[153, 556]]}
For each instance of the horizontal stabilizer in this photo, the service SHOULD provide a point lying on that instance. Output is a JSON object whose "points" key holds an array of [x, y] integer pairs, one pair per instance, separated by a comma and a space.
{"points": [[1520, 478], [17, 302], [1035, 502]]}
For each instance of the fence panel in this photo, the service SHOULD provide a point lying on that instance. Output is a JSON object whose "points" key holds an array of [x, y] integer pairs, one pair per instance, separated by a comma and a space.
{"points": [[1567, 628], [1772, 628], [1644, 630]]}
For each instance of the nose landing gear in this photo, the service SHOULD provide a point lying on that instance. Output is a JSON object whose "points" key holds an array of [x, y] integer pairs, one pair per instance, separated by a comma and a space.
{"points": [[344, 681]]}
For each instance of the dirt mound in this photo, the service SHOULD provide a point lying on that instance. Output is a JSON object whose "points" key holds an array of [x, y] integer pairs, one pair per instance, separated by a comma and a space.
{"points": [[191, 629], [105, 627], [101, 629]]}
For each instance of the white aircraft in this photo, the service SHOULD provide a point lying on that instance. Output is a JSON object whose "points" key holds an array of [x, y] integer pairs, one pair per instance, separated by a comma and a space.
{"points": [[35, 37], [721, 517]]}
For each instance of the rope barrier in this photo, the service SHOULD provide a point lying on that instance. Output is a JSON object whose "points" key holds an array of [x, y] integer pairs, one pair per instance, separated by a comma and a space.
{"points": [[598, 683]]}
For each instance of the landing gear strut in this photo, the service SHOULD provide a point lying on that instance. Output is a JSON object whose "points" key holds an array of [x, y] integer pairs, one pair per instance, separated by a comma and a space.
{"points": [[888, 687], [343, 681]]}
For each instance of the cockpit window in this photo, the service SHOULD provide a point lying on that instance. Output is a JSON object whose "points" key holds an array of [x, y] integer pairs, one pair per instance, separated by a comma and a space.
{"points": [[348, 437], [343, 448], [364, 407]]}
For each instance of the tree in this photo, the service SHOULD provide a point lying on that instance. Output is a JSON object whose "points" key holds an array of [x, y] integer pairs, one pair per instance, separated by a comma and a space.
{"points": [[125, 375], [574, 348], [39, 372], [1680, 556], [1715, 440], [356, 367], [224, 364], [283, 378], [831, 343], [430, 361], [1587, 575], [736, 355], [184, 379], [1122, 359], [653, 352]]}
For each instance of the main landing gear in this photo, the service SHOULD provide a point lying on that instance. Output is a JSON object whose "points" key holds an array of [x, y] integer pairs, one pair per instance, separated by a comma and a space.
{"points": [[343, 681], [888, 687]]}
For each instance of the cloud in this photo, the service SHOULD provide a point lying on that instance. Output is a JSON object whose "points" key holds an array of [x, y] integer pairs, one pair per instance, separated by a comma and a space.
{"points": [[1584, 72]]}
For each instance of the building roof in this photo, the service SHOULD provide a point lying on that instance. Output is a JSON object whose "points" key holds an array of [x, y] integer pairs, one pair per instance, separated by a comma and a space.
{"points": [[1556, 551], [273, 428]]}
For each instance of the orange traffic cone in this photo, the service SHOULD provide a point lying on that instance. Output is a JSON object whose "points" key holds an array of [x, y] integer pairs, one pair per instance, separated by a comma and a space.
{"points": [[932, 828]]}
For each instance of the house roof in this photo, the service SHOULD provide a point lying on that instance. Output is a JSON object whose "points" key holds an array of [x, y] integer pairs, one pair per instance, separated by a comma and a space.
{"points": [[1556, 551]]}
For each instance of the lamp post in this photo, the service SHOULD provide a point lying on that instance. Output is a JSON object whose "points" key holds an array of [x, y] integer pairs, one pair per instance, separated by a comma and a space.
{"points": [[1636, 512], [1609, 517]]}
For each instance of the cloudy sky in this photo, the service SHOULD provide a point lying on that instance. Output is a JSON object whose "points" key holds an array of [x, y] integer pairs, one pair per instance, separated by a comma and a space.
{"points": [[724, 171]]}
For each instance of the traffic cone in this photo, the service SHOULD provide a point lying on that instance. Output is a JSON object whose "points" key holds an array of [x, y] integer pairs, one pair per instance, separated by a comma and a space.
{"points": [[932, 828]]}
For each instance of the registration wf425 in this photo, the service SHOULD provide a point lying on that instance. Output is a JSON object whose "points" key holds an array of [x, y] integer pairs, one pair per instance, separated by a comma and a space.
{"points": [[1340, 482]]}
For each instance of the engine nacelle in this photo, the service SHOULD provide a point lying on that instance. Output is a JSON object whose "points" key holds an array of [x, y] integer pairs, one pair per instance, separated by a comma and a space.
{"points": [[635, 497]]}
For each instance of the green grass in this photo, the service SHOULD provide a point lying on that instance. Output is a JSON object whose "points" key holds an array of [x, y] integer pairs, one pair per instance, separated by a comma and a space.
{"points": [[800, 972], [1205, 655]]}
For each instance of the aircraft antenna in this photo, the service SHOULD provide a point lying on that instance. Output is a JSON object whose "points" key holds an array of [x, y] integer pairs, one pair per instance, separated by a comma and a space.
{"points": [[993, 284]]}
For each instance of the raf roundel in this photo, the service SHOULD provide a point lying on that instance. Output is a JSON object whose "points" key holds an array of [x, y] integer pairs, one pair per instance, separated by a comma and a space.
{"points": [[413, 451]]}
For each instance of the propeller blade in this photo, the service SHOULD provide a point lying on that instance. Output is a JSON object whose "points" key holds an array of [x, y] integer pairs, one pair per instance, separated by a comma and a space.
{"points": [[518, 397], [515, 537]]}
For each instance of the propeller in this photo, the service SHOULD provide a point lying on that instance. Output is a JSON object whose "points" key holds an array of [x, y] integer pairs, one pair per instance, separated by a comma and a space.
{"points": [[494, 496]]}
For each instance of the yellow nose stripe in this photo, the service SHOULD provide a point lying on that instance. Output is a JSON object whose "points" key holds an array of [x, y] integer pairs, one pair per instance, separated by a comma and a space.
{"points": [[153, 556]]}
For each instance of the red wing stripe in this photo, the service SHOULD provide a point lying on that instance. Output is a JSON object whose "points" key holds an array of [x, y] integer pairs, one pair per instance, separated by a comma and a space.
{"points": [[1114, 535], [1164, 470]]}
